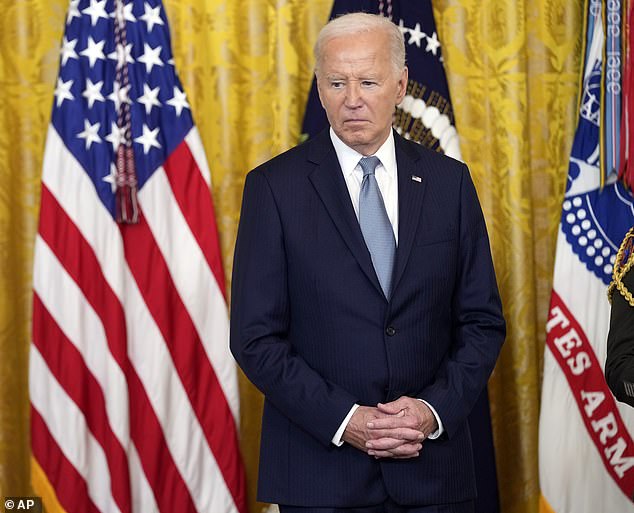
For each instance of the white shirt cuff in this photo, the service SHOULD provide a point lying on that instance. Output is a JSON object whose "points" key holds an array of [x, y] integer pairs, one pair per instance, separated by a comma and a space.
{"points": [[337, 438], [441, 429]]}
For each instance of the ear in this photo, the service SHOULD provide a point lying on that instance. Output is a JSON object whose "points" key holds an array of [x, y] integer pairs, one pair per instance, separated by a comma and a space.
{"points": [[402, 85]]}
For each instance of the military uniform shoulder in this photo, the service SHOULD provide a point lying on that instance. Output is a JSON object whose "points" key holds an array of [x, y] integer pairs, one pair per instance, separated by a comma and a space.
{"points": [[623, 272]]}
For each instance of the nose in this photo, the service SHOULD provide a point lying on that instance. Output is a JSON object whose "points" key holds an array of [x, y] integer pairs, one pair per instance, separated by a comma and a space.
{"points": [[353, 94]]}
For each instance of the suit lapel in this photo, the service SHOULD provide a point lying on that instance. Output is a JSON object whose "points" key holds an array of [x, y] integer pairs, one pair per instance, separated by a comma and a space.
{"points": [[410, 203], [327, 178]]}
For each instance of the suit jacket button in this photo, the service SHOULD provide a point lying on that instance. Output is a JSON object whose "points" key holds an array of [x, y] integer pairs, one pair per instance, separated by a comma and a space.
{"points": [[390, 331]]}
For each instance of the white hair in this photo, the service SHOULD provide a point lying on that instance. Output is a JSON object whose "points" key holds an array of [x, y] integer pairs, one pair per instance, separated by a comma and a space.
{"points": [[358, 22]]}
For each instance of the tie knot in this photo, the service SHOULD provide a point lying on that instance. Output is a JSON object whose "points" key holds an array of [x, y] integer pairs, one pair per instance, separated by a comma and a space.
{"points": [[368, 164]]}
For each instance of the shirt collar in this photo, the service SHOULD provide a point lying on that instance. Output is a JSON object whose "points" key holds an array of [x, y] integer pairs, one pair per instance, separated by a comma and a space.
{"points": [[349, 158]]}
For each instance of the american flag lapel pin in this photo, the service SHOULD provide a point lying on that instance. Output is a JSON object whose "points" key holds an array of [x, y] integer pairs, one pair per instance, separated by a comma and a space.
{"points": [[417, 178]]}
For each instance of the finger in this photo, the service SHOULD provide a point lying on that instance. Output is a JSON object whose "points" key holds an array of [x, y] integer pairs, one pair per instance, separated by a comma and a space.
{"points": [[404, 451], [390, 444], [384, 444], [394, 422], [387, 454], [405, 457], [376, 414], [392, 408], [407, 434], [402, 402]]}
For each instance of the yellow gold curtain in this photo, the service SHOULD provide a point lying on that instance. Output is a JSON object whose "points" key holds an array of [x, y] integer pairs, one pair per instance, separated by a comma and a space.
{"points": [[513, 74], [246, 67]]}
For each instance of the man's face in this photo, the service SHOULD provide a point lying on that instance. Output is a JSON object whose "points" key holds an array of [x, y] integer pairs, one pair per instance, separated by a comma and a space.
{"points": [[359, 89]]}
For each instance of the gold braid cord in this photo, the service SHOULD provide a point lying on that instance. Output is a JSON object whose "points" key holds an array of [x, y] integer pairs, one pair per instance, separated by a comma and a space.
{"points": [[621, 268]]}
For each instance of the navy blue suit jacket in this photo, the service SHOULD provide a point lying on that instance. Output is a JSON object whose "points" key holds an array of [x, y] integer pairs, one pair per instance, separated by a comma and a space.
{"points": [[313, 331]]}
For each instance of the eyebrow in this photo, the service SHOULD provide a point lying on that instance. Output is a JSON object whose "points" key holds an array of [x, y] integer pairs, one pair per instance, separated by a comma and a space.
{"points": [[337, 76]]}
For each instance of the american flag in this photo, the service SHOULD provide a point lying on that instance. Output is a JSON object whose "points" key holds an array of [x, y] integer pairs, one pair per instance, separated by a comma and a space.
{"points": [[134, 400]]}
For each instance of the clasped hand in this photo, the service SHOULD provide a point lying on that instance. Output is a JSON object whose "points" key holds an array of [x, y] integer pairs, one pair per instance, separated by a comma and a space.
{"points": [[391, 430]]}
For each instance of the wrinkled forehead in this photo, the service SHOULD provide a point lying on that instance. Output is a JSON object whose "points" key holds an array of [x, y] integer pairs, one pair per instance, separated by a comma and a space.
{"points": [[364, 52]]}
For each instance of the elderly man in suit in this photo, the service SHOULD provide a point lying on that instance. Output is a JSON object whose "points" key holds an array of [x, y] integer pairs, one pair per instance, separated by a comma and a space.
{"points": [[364, 301]]}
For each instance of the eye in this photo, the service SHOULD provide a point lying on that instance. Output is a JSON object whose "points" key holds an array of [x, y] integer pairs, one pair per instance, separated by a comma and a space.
{"points": [[368, 83], [336, 84]]}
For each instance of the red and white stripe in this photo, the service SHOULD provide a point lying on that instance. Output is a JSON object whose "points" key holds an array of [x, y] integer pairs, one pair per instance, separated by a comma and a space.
{"points": [[133, 390]]}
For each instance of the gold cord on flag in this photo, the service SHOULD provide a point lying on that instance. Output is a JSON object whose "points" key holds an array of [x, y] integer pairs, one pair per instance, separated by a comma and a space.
{"points": [[126, 208], [622, 265]]}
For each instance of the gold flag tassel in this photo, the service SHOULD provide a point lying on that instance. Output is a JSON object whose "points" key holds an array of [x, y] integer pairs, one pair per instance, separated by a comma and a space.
{"points": [[126, 204], [622, 265]]}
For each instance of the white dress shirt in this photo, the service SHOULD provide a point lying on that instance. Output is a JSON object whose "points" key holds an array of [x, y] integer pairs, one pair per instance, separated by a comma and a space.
{"points": [[386, 178], [385, 174]]}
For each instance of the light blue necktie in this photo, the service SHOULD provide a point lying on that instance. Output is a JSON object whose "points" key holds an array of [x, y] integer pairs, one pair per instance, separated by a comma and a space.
{"points": [[375, 225]]}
